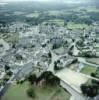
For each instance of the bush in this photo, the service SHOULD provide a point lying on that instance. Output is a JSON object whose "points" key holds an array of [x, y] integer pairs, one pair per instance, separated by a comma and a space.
{"points": [[31, 93], [49, 78], [32, 78], [89, 90], [9, 73]]}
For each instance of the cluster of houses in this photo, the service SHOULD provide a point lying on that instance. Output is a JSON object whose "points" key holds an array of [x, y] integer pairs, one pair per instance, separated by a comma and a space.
{"points": [[36, 43]]}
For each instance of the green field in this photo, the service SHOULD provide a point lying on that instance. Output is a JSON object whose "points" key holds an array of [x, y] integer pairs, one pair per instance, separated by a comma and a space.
{"points": [[92, 9], [54, 12], [72, 25], [33, 15], [88, 69], [97, 73], [61, 95], [14, 38], [18, 92], [97, 49], [56, 21]]}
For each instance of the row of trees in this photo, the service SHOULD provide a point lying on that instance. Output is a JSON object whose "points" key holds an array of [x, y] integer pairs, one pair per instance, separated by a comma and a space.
{"points": [[48, 80], [48, 77], [90, 90]]}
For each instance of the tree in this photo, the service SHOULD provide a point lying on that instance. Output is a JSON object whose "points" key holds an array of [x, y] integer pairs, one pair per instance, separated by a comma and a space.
{"points": [[13, 45], [6, 78], [31, 93], [50, 55], [55, 66], [89, 90], [32, 78], [93, 75], [7, 68], [18, 57], [52, 80], [9, 73], [49, 78]]}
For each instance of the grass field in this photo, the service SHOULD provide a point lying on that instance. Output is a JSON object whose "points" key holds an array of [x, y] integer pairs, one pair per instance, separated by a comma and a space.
{"points": [[72, 25], [92, 9], [51, 93], [56, 21], [61, 95], [88, 69], [18, 92], [54, 12], [13, 38], [97, 49], [97, 73], [32, 15]]}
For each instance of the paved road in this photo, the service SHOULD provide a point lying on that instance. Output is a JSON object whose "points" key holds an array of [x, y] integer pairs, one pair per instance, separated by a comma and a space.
{"points": [[76, 94], [55, 57], [65, 85], [83, 60]]}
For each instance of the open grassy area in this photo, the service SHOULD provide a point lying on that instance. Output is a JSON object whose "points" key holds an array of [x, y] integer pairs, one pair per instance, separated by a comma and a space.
{"points": [[18, 92], [88, 69], [51, 93], [33, 15], [54, 12], [14, 38], [97, 49], [56, 21], [92, 9], [97, 73], [61, 95], [72, 25]]}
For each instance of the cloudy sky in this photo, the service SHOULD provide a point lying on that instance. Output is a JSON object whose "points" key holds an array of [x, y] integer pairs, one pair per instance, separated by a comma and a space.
{"points": [[22, 0], [65, 1], [42, 0]]}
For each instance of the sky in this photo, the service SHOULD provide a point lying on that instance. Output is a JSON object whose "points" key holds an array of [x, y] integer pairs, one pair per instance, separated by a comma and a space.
{"points": [[21, 0], [41, 0], [65, 1]]}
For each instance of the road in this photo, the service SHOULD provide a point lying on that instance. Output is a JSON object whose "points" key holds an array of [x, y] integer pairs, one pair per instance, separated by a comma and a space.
{"points": [[76, 93], [83, 60], [66, 85]]}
